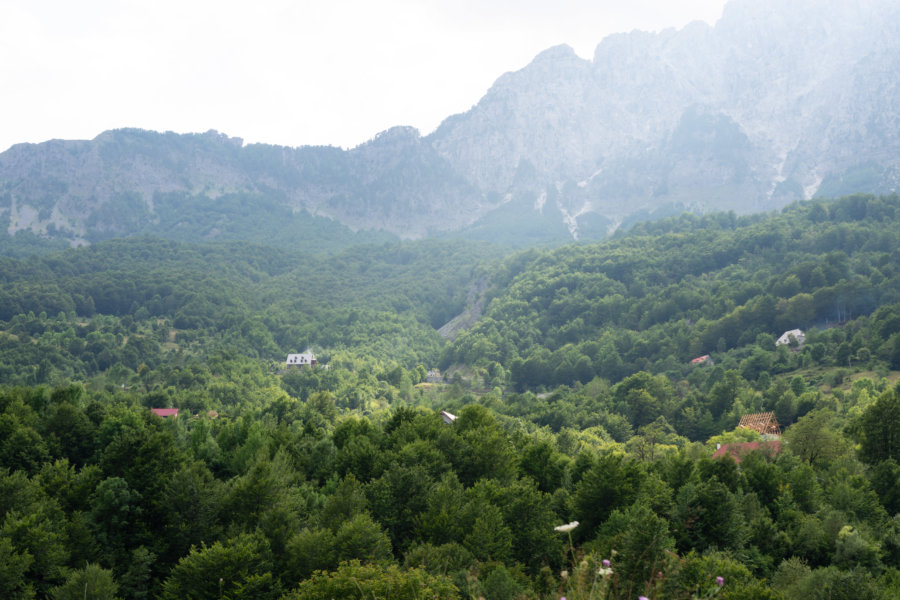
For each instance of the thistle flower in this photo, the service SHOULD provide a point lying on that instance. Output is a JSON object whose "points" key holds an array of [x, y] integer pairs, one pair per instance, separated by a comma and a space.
{"points": [[720, 581], [605, 570], [567, 527]]}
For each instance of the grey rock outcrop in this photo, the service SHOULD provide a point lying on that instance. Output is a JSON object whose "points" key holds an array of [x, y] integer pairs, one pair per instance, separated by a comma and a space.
{"points": [[781, 100]]}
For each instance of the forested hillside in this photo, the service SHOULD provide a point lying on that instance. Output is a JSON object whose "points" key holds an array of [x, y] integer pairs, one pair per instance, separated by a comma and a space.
{"points": [[574, 398], [668, 292], [145, 301]]}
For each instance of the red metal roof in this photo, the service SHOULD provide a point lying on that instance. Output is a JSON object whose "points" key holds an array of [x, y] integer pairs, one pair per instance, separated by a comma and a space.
{"points": [[738, 451], [165, 412]]}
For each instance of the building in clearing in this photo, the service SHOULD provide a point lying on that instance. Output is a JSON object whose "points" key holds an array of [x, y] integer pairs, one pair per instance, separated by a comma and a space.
{"points": [[448, 417], [785, 338], [764, 424], [706, 359], [298, 361], [165, 412]]}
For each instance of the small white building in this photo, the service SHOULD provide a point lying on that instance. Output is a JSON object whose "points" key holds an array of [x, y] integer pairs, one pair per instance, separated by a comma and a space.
{"points": [[787, 335], [298, 361], [448, 417]]}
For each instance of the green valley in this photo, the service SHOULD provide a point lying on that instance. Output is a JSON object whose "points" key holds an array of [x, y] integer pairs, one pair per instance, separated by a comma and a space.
{"points": [[595, 388]]}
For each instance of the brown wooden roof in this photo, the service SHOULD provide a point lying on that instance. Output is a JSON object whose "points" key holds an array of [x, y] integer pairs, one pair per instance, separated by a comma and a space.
{"points": [[762, 423]]}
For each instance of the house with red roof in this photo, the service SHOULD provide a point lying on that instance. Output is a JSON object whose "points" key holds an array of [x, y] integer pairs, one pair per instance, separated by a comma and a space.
{"points": [[165, 412]]}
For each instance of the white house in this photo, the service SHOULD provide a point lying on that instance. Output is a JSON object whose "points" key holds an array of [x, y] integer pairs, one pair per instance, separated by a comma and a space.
{"points": [[787, 335], [305, 359]]}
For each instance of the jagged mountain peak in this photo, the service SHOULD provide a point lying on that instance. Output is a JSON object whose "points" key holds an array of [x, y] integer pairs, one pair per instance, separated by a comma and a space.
{"points": [[401, 134], [556, 53], [783, 75], [779, 100]]}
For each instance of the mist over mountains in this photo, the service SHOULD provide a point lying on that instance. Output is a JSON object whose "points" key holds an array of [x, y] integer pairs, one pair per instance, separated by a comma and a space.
{"points": [[779, 101]]}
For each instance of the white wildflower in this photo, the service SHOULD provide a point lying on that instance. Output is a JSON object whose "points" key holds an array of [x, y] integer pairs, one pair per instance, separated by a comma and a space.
{"points": [[567, 527]]}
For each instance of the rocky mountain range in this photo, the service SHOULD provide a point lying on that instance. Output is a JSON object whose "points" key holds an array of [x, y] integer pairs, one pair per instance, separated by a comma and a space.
{"points": [[781, 100]]}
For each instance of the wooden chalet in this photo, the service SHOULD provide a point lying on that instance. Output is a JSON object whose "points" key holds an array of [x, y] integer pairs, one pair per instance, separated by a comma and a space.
{"points": [[762, 423]]}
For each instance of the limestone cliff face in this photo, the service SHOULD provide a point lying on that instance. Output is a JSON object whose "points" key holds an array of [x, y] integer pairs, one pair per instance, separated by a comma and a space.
{"points": [[130, 181], [776, 101], [536, 115], [780, 100]]}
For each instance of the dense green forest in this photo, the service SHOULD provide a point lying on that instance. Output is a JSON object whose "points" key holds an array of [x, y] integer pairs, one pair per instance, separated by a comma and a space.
{"points": [[575, 398]]}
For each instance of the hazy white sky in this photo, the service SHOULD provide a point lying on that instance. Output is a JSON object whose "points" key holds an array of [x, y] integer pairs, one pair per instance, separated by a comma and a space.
{"points": [[288, 72]]}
